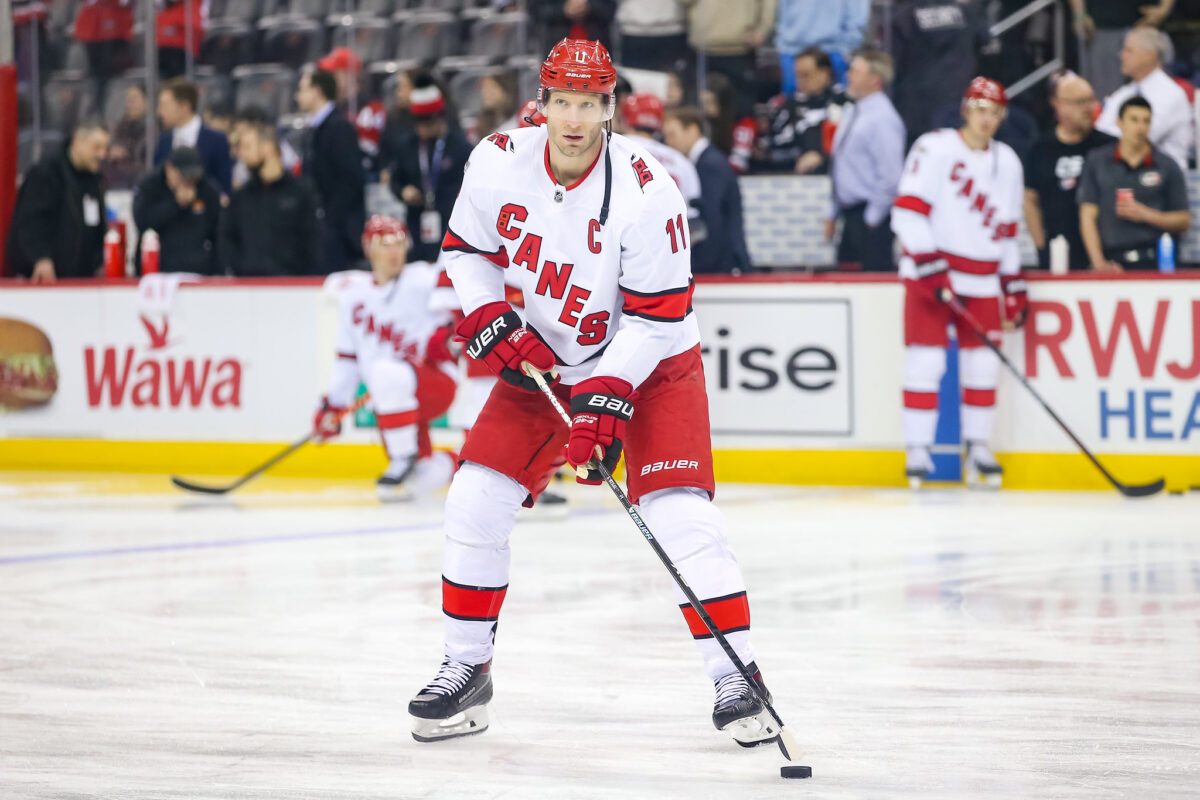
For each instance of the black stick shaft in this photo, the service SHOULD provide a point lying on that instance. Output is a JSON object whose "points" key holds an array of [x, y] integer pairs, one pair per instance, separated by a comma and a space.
{"points": [[692, 599], [962, 312]]}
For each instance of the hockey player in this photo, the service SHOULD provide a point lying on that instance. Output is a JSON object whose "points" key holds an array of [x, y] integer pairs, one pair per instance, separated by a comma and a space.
{"points": [[641, 117], [595, 228], [389, 338], [956, 216]]}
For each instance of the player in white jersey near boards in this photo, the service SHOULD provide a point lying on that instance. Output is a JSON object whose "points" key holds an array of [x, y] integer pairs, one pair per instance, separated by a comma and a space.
{"points": [[390, 338], [597, 231], [956, 216]]}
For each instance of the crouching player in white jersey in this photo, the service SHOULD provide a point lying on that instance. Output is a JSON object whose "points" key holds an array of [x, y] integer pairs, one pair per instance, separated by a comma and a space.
{"points": [[389, 338], [956, 216], [596, 230]]}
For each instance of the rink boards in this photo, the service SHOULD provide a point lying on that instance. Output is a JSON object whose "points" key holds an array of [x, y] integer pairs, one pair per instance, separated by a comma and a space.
{"points": [[804, 380]]}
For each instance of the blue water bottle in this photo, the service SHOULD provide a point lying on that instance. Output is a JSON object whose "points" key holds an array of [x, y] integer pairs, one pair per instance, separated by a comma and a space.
{"points": [[1166, 253]]}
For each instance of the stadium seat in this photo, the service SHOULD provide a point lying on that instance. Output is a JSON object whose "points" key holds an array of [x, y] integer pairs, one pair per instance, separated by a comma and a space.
{"points": [[66, 99], [464, 88], [228, 44], [314, 9], [426, 35], [52, 141], [381, 8], [498, 36], [271, 86], [440, 5], [369, 37], [215, 89], [293, 41], [526, 69], [234, 10]]}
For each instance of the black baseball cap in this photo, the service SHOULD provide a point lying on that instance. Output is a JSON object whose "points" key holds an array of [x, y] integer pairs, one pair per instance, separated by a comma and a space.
{"points": [[187, 161]]}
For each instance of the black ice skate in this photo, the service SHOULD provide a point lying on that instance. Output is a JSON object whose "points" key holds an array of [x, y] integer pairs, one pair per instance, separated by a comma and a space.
{"points": [[738, 710], [454, 703], [390, 485], [918, 463], [983, 471]]}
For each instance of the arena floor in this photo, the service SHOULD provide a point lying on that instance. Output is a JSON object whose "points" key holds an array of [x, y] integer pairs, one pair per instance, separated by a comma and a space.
{"points": [[945, 645]]}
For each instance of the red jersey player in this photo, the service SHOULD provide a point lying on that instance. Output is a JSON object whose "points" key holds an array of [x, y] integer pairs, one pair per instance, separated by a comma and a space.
{"points": [[389, 337], [596, 229], [956, 216]]}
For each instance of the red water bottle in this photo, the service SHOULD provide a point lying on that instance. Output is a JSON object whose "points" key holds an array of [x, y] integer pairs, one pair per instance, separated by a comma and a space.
{"points": [[150, 251], [114, 258]]}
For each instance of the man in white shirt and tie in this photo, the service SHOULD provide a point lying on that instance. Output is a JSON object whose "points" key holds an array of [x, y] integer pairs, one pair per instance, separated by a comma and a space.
{"points": [[1172, 129]]}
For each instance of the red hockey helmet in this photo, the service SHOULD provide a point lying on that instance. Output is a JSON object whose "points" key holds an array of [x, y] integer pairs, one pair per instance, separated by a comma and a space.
{"points": [[985, 90], [529, 116], [643, 111], [383, 225], [577, 65]]}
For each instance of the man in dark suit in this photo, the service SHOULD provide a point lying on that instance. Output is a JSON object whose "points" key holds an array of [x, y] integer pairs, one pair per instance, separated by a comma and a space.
{"points": [[177, 105], [333, 164], [724, 250], [58, 222], [428, 170]]}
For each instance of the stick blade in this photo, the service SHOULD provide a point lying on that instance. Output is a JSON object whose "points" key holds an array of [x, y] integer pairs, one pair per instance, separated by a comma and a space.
{"points": [[788, 745], [1145, 490], [188, 486]]}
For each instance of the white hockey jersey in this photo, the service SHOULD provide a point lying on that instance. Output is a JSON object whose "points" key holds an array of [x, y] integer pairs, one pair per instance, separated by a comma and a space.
{"points": [[963, 205], [392, 321], [608, 299]]}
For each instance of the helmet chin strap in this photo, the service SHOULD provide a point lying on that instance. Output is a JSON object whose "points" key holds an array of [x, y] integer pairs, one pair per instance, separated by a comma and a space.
{"points": [[607, 172]]}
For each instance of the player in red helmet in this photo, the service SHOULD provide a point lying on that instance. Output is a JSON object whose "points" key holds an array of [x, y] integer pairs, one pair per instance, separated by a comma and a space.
{"points": [[959, 205], [528, 115], [596, 231], [389, 338]]}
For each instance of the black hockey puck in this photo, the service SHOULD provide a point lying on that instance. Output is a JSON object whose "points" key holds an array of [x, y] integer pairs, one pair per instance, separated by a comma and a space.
{"points": [[795, 772]]}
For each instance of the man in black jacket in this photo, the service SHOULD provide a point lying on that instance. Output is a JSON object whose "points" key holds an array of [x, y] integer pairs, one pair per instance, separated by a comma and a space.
{"points": [[182, 205], [333, 163], [270, 226], [58, 223], [724, 250], [429, 170]]}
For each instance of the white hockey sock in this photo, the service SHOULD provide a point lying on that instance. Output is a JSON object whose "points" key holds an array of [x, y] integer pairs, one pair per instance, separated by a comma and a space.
{"points": [[923, 369], [979, 368], [691, 529], [481, 507]]}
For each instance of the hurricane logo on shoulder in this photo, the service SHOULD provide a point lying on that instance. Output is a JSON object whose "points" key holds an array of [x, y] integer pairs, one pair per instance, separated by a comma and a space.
{"points": [[642, 171], [502, 141]]}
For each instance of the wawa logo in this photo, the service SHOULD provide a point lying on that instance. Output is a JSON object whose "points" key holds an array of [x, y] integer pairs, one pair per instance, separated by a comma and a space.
{"points": [[155, 379]]}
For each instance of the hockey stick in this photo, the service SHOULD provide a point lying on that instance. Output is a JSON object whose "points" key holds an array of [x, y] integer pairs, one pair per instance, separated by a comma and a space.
{"points": [[1140, 490], [272, 461], [787, 743]]}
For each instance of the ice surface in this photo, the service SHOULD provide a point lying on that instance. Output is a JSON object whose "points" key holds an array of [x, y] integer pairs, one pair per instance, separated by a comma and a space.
{"points": [[951, 644]]}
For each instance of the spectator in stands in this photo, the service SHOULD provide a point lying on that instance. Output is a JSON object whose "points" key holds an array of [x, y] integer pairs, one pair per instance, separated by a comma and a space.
{"points": [[1053, 167], [127, 152], [182, 205], [572, 19], [934, 43], [1141, 61], [653, 35], [729, 34], [182, 127], [219, 117], [498, 94], [732, 133], [58, 221], [1129, 194], [868, 158], [724, 249], [333, 164], [835, 27], [1103, 24], [249, 116], [354, 102], [429, 171], [105, 27], [795, 137], [398, 126], [177, 34], [270, 226]]}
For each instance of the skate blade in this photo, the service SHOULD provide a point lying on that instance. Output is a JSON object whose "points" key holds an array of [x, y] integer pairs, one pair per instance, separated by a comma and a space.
{"points": [[465, 723], [754, 731], [977, 480], [915, 481]]}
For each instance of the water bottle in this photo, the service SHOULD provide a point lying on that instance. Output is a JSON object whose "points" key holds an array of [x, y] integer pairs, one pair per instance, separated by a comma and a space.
{"points": [[114, 255], [150, 251], [1059, 255], [1166, 253]]}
